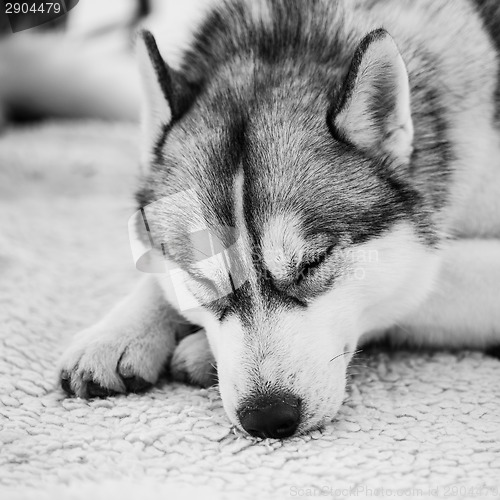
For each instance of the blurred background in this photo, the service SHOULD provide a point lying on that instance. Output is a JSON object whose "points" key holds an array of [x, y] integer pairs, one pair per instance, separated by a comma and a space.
{"points": [[80, 63]]}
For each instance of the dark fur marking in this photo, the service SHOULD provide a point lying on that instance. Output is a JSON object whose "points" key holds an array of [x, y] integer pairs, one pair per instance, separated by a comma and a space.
{"points": [[160, 144], [240, 300], [177, 90]]}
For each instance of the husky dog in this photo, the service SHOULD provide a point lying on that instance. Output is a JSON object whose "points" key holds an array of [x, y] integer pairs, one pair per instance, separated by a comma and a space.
{"points": [[354, 148]]}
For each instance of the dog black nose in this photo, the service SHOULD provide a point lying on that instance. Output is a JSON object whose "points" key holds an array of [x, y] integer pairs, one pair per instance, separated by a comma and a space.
{"points": [[265, 417]]}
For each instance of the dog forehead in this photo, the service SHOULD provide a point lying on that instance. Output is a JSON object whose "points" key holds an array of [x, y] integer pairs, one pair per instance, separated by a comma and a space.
{"points": [[301, 182]]}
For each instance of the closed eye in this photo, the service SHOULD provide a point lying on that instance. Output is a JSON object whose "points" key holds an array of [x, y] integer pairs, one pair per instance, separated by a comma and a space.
{"points": [[308, 268]]}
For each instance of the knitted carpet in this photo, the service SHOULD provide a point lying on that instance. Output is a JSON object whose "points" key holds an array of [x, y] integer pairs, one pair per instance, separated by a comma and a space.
{"points": [[413, 424]]}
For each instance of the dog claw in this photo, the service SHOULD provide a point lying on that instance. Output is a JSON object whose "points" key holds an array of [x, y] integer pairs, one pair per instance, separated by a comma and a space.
{"points": [[95, 390], [66, 383], [92, 389], [494, 352], [136, 384]]}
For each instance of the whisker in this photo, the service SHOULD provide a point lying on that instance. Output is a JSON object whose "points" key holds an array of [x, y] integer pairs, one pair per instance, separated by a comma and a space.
{"points": [[345, 353]]}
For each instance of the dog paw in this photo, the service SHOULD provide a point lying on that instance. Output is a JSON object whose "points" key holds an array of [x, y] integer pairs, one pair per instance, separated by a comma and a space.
{"points": [[101, 364], [193, 362]]}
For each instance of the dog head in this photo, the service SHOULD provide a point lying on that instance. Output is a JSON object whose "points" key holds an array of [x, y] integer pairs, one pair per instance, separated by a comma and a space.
{"points": [[302, 178]]}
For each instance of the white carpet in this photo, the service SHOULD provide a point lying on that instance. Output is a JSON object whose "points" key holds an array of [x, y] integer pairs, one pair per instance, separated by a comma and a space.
{"points": [[427, 421]]}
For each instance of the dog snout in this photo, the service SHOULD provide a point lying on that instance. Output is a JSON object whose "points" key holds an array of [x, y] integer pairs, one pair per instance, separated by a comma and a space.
{"points": [[270, 417]]}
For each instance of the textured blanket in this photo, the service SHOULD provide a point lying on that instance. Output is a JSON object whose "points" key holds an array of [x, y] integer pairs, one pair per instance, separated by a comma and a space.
{"points": [[413, 424]]}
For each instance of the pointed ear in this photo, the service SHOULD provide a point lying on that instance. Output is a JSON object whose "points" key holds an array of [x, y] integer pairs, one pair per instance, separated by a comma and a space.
{"points": [[166, 93], [374, 114]]}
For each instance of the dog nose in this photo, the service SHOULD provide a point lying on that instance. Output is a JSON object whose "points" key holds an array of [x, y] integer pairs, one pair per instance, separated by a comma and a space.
{"points": [[265, 417]]}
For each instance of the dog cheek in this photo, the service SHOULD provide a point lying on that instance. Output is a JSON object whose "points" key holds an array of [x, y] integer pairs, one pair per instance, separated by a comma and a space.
{"points": [[309, 356], [227, 343]]}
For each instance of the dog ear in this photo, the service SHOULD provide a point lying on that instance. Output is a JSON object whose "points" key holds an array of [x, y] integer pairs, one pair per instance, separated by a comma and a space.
{"points": [[166, 93], [374, 114]]}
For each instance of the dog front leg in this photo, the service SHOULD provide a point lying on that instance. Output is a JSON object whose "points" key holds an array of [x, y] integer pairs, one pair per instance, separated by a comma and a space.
{"points": [[127, 350]]}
